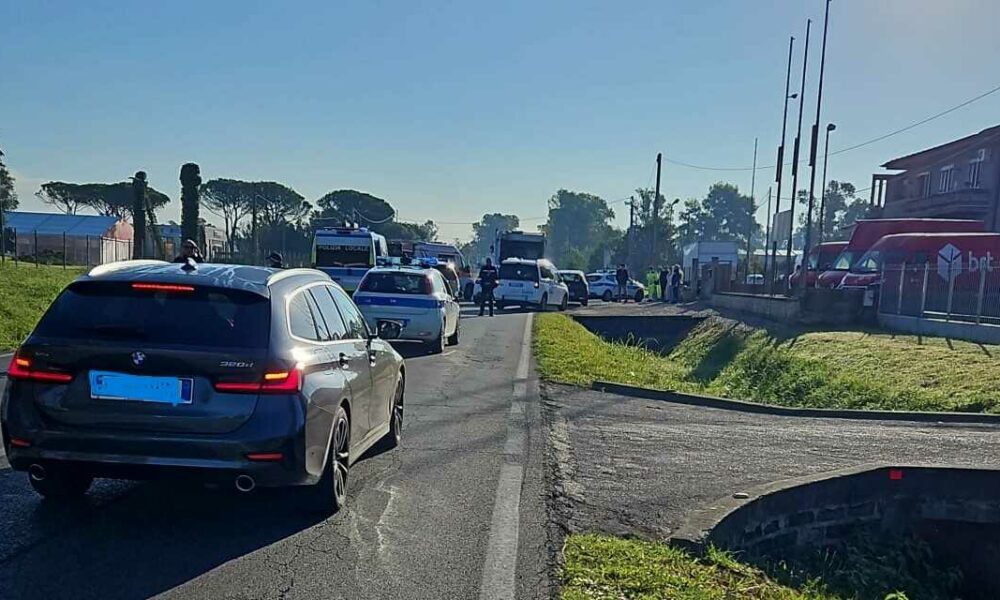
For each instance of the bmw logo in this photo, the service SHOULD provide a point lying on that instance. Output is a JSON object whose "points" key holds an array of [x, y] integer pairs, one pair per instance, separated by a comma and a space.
{"points": [[138, 358]]}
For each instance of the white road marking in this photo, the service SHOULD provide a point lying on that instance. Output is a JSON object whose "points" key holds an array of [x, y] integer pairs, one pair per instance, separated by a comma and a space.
{"points": [[500, 567]]}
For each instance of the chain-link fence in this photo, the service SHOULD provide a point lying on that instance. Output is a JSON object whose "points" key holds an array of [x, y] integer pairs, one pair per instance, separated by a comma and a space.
{"points": [[946, 290]]}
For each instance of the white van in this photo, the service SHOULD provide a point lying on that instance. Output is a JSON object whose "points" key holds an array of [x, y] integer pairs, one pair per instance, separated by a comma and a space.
{"points": [[347, 253], [530, 283]]}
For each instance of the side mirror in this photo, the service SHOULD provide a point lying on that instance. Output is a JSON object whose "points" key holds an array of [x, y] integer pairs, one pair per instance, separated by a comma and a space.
{"points": [[388, 330]]}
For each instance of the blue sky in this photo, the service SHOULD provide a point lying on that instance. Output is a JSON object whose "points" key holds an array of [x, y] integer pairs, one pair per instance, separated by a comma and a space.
{"points": [[453, 109]]}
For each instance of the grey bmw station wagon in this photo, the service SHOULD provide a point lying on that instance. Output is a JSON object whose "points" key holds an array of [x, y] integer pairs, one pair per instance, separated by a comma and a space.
{"points": [[239, 375]]}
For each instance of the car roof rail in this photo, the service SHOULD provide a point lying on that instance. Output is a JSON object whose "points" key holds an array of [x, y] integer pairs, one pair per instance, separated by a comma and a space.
{"points": [[122, 265]]}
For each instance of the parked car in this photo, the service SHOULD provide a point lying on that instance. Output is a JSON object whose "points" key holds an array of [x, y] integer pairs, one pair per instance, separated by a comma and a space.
{"points": [[576, 282], [603, 285], [218, 373], [417, 298], [868, 231], [530, 283]]}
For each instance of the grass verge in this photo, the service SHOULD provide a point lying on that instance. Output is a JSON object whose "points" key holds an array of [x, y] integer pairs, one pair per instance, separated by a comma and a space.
{"points": [[829, 369], [25, 292], [601, 567]]}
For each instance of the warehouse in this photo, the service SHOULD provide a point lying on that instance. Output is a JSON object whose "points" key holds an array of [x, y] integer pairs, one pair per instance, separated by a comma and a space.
{"points": [[75, 239]]}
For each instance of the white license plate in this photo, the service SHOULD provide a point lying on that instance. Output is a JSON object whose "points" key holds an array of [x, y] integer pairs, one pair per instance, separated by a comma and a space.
{"points": [[106, 385]]}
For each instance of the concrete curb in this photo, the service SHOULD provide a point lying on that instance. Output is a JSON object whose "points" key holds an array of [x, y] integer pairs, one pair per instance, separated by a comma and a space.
{"points": [[787, 411]]}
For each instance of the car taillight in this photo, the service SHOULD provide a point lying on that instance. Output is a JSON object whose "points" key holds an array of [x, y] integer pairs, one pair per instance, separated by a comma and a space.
{"points": [[21, 368], [273, 382]]}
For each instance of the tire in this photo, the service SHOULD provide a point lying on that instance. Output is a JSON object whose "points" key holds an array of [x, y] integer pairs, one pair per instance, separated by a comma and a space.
{"points": [[544, 305], [639, 295], [436, 346], [469, 291], [584, 302], [500, 306], [62, 485], [395, 436], [453, 338], [329, 494], [607, 296], [565, 304]]}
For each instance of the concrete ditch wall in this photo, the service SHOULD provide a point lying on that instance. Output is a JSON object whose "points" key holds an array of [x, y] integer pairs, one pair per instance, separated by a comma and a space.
{"points": [[658, 333]]}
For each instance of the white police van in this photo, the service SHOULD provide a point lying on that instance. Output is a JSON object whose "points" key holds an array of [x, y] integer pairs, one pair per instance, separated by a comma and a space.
{"points": [[417, 298], [346, 253], [530, 283]]}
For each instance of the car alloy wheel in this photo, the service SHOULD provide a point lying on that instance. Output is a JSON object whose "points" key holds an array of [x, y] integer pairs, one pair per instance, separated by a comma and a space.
{"points": [[396, 417], [606, 296], [329, 494]]}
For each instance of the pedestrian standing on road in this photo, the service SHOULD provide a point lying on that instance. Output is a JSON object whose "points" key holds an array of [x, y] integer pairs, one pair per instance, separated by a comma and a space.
{"points": [[665, 273], [621, 277], [676, 278], [189, 251], [488, 279]]}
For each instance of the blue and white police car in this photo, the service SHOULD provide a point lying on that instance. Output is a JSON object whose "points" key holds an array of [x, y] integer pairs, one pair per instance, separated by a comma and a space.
{"points": [[603, 285], [417, 298]]}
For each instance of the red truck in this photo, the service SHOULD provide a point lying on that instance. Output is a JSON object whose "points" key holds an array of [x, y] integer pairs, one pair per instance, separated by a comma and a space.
{"points": [[821, 259], [869, 231], [961, 252]]}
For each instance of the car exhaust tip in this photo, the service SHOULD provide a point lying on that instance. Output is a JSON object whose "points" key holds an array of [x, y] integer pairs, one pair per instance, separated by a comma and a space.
{"points": [[245, 483], [37, 472]]}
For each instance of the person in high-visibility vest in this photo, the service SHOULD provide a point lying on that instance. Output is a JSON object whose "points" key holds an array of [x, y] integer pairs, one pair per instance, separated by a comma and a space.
{"points": [[651, 282]]}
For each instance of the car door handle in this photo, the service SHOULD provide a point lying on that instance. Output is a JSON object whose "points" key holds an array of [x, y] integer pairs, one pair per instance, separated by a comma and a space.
{"points": [[343, 360]]}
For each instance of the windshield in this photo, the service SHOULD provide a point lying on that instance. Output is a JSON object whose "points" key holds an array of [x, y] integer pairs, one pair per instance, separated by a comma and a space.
{"points": [[844, 261], [871, 262], [205, 317], [343, 255], [394, 283], [519, 272]]}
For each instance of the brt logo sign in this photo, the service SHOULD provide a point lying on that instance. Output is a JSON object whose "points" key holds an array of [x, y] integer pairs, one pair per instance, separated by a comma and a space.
{"points": [[949, 262]]}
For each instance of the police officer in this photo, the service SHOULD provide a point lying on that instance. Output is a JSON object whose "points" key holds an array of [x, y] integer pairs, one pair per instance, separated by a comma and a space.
{"points": [[189, 251], [488, 279]]}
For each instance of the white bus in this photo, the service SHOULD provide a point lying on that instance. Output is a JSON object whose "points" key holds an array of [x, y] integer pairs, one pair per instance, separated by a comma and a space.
{"points": [[346, 253]]}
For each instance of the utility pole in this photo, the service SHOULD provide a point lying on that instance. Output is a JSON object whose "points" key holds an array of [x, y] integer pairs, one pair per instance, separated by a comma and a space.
{"points": [[795, 155], [753, 181], [767, 232], [631, 228], [815, 144], [656, 205], [780, 167], [822, 195]]}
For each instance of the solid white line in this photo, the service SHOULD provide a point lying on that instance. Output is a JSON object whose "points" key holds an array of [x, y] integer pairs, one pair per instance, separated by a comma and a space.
{"points": [[500, 567]]}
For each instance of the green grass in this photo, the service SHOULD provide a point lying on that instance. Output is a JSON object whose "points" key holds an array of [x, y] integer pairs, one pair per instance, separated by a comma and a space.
{"points": [[833, 369], [25, 292], [600, 567]]}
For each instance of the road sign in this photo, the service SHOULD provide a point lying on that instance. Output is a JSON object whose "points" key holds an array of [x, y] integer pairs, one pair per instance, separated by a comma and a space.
{"points": [[782, 225]]}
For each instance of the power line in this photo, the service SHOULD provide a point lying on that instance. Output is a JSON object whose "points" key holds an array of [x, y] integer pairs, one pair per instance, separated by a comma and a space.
{"points": [[849, 148]]}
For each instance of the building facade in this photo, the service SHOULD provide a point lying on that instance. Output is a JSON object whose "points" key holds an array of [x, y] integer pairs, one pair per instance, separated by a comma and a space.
{"points": [[956, 180]]}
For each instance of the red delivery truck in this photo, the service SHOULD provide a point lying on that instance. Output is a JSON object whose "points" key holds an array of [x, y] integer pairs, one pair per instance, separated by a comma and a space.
{"points": [[869, 231], [974, 251], [821, 259]]}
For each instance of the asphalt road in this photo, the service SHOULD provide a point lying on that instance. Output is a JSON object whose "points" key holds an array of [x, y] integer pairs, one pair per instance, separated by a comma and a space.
{"points": [[632, 466], [457, 512]]}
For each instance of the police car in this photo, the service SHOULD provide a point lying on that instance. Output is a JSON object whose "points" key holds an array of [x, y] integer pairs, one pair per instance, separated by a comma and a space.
{"points": [[417, 298], [603, 285]]}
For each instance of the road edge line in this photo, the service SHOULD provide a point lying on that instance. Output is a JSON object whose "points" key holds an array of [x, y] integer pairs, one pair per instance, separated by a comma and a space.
{"points": [[499, 580]]}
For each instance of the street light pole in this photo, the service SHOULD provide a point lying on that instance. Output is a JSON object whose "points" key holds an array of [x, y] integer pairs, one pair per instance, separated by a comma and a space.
{"points": [[795, 155], [780, 167], [815, 139], [822, 197], [656, 207]]}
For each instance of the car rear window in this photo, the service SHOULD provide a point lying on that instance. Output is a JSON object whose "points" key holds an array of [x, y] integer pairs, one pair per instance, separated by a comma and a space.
{"points": [[594, 278], [570, 277], [519, 272], [394, 283], [204, 317]]}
